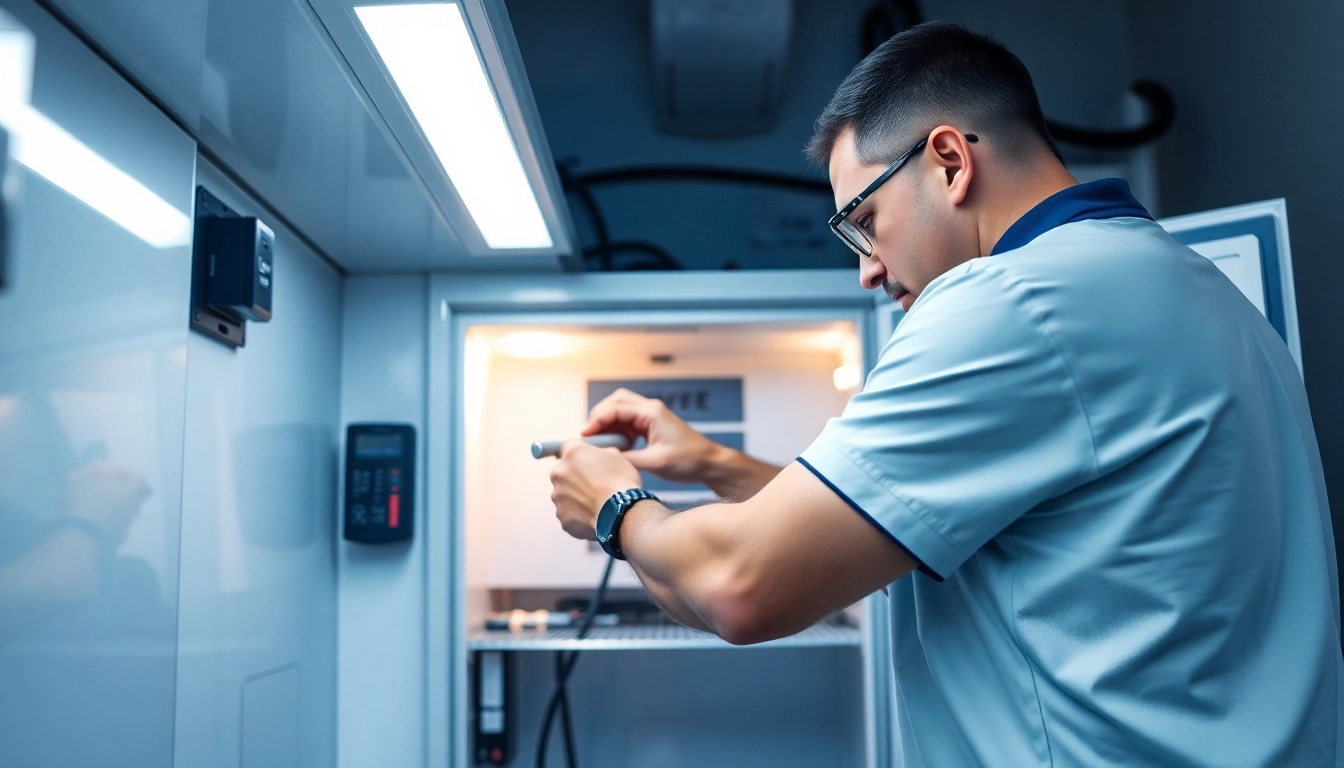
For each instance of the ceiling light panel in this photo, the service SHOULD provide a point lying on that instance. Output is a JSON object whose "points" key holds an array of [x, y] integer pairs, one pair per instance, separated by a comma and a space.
{"points": [[428, 52]]}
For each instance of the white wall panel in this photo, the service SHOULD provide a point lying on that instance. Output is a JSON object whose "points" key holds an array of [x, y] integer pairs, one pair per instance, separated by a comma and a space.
{"points": [[92, 374], [257, 659], [159, 41], [382, 614]]}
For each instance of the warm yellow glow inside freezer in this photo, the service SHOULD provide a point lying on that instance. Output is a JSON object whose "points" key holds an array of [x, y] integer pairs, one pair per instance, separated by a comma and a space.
{"points": [[847, 377], [534, 344], [524, 383]]}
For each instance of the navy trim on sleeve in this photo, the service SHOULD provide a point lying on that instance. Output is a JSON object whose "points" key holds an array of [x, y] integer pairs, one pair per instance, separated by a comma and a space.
{"points": [[926, 570]]}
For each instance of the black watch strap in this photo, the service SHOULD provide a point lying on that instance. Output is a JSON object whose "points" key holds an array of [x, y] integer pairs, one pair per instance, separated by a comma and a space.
{"points": [[611, 515]]}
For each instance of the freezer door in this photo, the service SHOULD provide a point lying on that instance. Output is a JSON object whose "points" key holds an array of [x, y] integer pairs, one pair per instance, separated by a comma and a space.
{"points": [[1249, 243]]}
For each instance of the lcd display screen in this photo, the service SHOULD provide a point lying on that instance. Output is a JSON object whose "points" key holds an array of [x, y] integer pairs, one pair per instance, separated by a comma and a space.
{"points": [[375, 446]]}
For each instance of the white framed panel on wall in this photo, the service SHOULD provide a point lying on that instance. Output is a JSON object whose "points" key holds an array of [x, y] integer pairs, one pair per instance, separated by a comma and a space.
{"points": [[1249, 244]]}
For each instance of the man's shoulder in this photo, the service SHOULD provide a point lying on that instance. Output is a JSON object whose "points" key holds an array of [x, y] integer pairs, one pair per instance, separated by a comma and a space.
{"points": [[970, 316], [1085, 268], [1099, 249]]}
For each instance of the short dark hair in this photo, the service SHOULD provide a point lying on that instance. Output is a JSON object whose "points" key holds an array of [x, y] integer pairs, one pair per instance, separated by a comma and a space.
{"points": [[930, 74]]}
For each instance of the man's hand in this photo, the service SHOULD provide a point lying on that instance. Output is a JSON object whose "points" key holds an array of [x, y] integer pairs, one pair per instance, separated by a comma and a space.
{"points": [[106, 495], [675, 451], [582, 481]]}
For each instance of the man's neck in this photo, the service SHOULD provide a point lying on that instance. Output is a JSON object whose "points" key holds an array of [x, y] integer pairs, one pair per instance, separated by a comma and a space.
{"points": [[1021, 194]]}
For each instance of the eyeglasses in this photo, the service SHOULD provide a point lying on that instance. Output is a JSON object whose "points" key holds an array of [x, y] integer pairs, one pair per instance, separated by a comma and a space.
{"points": [[849, 232]]}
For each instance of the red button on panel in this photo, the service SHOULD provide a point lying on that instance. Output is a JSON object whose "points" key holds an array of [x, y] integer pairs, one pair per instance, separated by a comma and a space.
{"points": [[393, 510]]}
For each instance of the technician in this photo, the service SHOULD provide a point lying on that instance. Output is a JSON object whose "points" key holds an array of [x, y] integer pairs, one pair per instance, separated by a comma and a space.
{"points": [[1084, 459]]}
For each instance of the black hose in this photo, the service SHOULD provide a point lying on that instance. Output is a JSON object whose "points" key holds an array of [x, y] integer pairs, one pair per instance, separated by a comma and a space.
{"points": [[566, 724], [886, 19], [565, 667], [1161, 115], [889, 17], [580, 189], [702, 173], [662, 259]]}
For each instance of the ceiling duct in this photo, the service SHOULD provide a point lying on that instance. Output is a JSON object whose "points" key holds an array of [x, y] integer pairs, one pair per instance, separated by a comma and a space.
{"points": [[719, 65]]}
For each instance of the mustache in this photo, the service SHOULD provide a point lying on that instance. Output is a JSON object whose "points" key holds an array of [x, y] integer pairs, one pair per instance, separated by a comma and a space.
{"points": [[894, 289]]}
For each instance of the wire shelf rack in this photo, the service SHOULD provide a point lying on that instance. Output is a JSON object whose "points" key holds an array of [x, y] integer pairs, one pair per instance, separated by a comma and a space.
{"points": [[643, 638]]}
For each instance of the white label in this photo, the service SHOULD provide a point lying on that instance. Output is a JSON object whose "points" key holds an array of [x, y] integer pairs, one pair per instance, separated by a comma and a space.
{"points": [[492, 721], [492, 681]]}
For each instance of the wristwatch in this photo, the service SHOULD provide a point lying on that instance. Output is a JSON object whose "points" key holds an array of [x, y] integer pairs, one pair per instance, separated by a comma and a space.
{"points": [[612, 513]]}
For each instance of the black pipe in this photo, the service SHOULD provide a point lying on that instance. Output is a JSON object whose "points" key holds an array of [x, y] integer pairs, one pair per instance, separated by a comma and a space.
{"points": [[570, 183], [702, 173], [1161, 116], [662, 259], [890, 17]]}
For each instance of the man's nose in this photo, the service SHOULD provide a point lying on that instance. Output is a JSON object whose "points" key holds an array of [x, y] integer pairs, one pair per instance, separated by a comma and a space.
{"points": [[871, 272]]}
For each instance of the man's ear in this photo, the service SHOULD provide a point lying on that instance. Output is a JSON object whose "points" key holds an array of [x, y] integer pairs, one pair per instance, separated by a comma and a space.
{"points": [[952, 152]]}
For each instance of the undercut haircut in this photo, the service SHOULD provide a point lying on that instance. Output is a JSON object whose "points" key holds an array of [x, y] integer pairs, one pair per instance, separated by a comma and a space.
{"points": [[933, 74]]}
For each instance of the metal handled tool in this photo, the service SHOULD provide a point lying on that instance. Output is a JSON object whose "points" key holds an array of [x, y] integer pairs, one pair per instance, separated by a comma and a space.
{"points": [[552, 448]]}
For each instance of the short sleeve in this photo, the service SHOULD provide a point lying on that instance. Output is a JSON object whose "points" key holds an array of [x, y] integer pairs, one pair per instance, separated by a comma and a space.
{"points": [[970, 418]]}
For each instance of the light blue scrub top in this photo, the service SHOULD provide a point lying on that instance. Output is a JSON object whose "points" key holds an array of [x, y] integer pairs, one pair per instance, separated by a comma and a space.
{"points": [[1101, 455]]}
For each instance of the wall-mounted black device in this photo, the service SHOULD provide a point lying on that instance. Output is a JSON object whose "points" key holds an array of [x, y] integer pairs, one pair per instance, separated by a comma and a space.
{"points": [[232, 271], [241, 266], [379, 482], [493, 713]]}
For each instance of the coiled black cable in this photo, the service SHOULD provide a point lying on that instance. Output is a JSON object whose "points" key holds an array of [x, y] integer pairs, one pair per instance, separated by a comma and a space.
{"points": [[660, 257], [1161, 115], [890, 17], [579, 188], [564, 667]]}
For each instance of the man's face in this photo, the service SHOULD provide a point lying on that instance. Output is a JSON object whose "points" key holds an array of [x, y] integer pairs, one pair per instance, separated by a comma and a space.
{"points": [[912, 230]]}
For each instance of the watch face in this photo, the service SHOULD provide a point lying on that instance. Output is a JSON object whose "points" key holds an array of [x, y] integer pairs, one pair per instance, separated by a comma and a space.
{"points": [[605, 517]]}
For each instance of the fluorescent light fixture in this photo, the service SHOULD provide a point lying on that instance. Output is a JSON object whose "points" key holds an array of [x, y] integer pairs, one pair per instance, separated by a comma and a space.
{"points": [[51, 152], [846, 377], [428, 51], [534, 344]]}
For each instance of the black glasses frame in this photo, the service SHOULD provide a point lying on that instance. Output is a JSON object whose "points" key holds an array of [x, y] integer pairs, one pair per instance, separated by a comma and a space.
{"points": [[840, 219]]}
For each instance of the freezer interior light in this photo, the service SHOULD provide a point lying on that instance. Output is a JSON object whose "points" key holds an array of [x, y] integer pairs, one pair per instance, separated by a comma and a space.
{"points": [[847, 377], [534, 344], [428, 52]]}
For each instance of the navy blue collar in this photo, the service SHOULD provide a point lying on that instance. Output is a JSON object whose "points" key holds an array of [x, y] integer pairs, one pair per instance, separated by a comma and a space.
{"points": [[1101, 199]]}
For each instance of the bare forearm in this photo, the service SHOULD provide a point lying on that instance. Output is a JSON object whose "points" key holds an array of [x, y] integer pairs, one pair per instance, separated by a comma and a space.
{"points": [[678, 563], [764, 568], [736, 476], [674, 606]]}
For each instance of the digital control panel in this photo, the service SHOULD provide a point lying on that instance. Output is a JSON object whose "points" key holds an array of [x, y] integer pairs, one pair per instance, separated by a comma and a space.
{"points": [[379, 482]]}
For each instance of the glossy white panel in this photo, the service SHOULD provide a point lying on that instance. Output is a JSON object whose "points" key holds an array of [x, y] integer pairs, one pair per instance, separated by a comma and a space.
{"points": [[159, 41], [257, 658], [92, 377], [382, 624]]}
